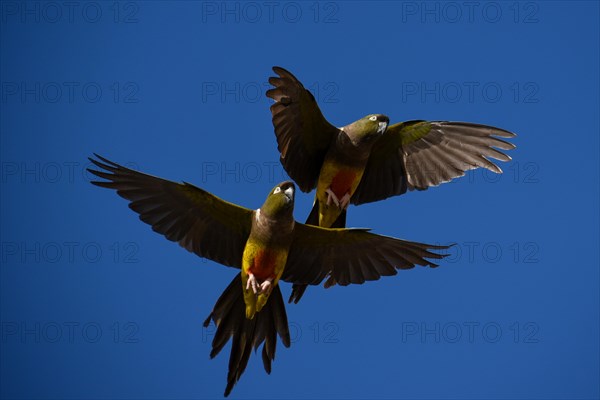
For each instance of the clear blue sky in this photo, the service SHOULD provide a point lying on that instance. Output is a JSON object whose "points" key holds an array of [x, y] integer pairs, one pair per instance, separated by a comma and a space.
{"points": [[96, 305]]}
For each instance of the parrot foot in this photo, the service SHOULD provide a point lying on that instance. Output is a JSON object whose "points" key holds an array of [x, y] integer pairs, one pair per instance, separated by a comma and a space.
{"points": [[345, 201], [252, 283], [331, 197], [266, 287], [342, 203], [259, 288]]}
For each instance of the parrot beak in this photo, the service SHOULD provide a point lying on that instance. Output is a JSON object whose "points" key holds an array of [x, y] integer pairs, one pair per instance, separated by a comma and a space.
{"points": [[289, 193], [383, 123], [287, 188]]}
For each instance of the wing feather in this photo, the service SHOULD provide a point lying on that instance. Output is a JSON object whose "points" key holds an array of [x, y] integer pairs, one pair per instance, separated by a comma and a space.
{"points": [[303, 134], [351, 256], [199, 221], [422, 154]]}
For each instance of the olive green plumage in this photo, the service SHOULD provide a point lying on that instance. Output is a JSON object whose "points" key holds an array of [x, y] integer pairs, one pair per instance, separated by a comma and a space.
{"points": [[370, 160], [266, 243], [267, 247], [412, 155]]}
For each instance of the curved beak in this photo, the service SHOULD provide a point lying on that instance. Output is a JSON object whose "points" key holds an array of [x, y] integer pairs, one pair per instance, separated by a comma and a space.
{"points": [[289, 189], [383, 123], [289, 193]]}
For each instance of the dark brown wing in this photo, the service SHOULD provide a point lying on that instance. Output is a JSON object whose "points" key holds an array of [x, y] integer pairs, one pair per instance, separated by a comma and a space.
{"points": [[420, 154], [351, 255], [303, 134], [199, 221]]}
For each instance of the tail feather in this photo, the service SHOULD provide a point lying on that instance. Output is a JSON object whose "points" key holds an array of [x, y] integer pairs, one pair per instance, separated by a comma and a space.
{"points": [[279, 316], [226, 321], [297, 292], [227, 328], [313, 219], [229, 315], [268, 349]]}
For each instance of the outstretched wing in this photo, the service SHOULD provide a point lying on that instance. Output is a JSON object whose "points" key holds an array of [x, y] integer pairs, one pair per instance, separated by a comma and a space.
{"points": [[351, 255], [199, 221], [419, 154], [303, 134]]}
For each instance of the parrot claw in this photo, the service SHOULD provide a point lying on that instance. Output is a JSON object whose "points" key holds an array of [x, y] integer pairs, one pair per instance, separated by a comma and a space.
{"points": [[259, 288], [266, 287], [345, 201], [331, 197], [252, 283], [342, 203]]}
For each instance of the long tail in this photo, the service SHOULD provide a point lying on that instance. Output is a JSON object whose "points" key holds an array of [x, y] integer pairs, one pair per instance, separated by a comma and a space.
{"points": [[229, 315], [313, 219]]}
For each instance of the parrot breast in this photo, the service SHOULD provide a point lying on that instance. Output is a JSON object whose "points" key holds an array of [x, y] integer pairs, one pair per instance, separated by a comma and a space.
{"points": [[343, 181], [264, 264]]}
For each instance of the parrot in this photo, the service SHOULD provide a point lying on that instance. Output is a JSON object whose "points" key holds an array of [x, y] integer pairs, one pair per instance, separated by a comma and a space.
{"points": [[266, 244], [370, 160]]}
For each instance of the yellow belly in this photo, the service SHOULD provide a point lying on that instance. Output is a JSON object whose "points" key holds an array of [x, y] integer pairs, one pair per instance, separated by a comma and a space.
{"points": [[342, 180], [263, 263]]}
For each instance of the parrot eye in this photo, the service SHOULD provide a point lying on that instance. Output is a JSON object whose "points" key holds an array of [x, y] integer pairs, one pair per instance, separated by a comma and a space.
{"points": [[277, 190], [373, 118]]}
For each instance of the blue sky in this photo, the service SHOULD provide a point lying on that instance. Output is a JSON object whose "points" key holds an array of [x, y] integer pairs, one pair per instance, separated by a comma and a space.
{"points": [[96, 305]]}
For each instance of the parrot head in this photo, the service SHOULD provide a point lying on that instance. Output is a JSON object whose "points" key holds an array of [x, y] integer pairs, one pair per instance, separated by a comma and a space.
{"points": [[280, 200], [367, 129]]}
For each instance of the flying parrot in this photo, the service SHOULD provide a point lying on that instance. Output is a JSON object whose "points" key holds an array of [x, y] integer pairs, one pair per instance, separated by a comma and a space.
{"points": [[267, 245], [370, 160]]}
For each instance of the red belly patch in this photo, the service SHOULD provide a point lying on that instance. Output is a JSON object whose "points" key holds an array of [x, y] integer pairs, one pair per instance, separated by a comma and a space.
{"points": [[342, 182], [264, 264]]}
